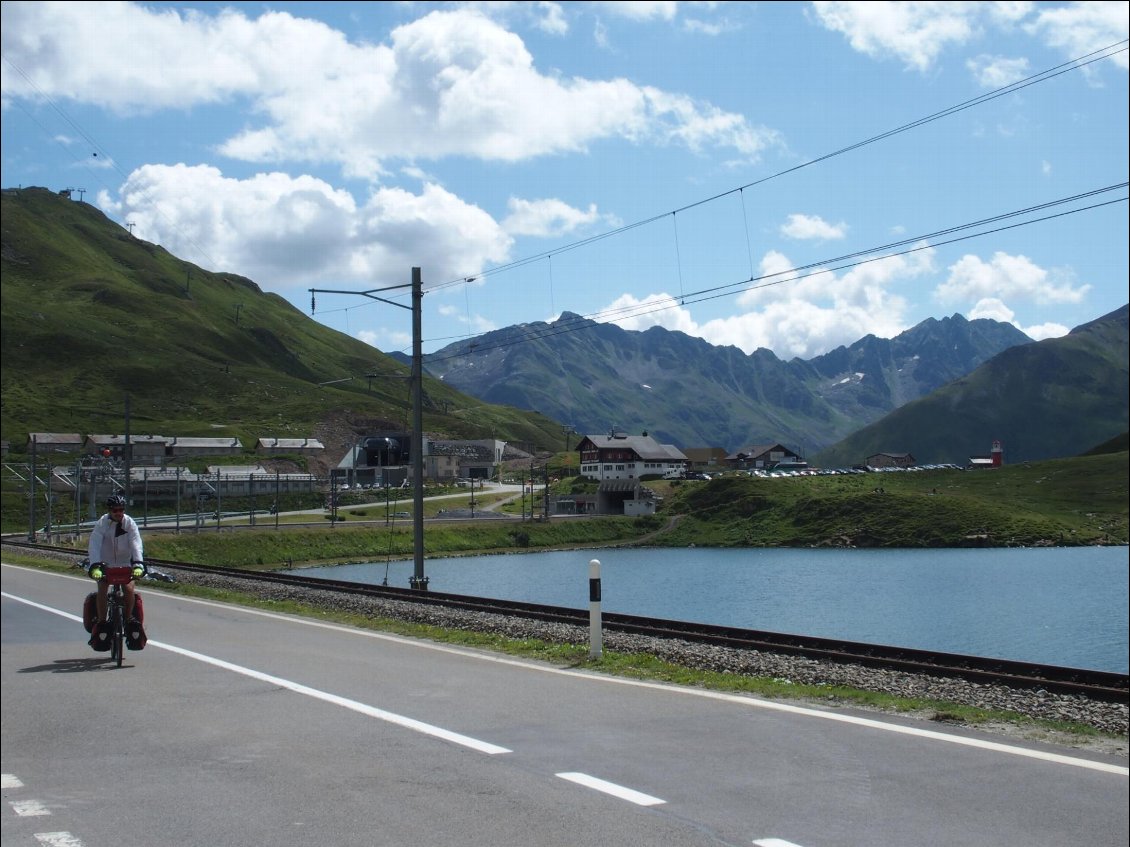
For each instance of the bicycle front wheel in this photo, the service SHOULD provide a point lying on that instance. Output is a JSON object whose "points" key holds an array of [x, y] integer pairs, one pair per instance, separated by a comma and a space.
{"points": [[117, 637]]}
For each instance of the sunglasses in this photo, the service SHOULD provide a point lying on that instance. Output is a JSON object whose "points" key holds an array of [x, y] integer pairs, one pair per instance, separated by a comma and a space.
{"points": [[117, 511]]}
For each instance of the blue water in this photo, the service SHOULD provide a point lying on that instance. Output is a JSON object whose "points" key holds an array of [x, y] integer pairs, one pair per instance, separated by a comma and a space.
{"points": [[1058, 606]]}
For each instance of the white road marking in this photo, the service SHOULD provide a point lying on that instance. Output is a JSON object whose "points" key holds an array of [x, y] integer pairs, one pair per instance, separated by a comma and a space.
{"points": [[632, 796], [10, 780], [774, 842], [28, 808], [744, 700], [362, 708], [58, 839], [344, 702]]}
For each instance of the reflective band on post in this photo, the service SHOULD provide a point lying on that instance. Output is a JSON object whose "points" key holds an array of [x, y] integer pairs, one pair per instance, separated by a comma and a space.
{"points": [[595, 635]]}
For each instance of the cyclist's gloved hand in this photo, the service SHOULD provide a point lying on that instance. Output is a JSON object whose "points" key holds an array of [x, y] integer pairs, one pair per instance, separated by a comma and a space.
{"points": [[138, 570], [96, 572]]}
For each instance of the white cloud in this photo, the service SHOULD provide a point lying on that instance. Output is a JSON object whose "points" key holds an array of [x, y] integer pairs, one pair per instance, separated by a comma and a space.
{"points": [[811, 315], [812, 227], [1005, 276], [994, 72], [290, 232], [1047, 330], [1081, 28], [640, 10], [544, 218], [793, 316], [994, 309], [635, 313], [915, 33], [552, 18], [452, 83]]}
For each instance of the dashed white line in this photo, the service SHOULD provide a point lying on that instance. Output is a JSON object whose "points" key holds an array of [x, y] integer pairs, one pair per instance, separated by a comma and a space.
{"points": [[58, 839], [774, 842], [10, 780], [28, 808], [632, 796]]}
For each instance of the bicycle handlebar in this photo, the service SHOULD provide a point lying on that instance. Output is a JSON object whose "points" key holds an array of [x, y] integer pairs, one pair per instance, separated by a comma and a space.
{"points": [[149, 573]]}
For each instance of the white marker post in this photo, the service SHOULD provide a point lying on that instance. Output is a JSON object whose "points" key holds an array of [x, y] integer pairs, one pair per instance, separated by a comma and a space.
{"points": [[595, 635]]}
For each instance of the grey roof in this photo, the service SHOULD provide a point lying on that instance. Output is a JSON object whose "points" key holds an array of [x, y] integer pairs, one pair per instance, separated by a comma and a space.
{"points": [[644, 446], [291, 444], [180, 441], [462, 449], [133, 439], [758, 450], [54, 438]]}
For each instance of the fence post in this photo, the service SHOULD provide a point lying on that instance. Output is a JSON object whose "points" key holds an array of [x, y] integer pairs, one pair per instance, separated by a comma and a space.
{"points": [[595, 635]]}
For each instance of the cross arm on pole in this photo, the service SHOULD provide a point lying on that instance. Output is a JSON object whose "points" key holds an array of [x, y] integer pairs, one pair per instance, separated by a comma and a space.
{"points": [[370, 294]]}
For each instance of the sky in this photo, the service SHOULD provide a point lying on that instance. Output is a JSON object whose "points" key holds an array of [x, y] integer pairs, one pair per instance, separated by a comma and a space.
{"points": [[790, 176]]}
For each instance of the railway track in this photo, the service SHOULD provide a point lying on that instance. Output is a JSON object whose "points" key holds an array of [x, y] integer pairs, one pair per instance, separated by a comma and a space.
{"points": [[1095, 685]]}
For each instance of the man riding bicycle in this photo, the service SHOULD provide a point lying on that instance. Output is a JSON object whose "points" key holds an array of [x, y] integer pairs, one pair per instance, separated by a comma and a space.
{"points": [[115, 540]]}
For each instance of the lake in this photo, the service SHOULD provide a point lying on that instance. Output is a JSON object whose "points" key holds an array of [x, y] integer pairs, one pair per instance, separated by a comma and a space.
{"points": [[1058, 606]]}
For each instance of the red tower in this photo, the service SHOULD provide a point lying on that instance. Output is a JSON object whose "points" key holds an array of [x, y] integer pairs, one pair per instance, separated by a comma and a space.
{"points": [[997, 454]]}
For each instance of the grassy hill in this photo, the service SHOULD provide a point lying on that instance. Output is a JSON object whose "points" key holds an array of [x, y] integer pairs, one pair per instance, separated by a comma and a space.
{"points": [[1066, 502], [91, 315]]}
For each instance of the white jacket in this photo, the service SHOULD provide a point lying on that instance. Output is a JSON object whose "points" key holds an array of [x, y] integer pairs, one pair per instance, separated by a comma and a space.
{"points": [[114, 543]]}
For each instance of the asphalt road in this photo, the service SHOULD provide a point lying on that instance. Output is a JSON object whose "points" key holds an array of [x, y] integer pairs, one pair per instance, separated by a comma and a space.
{"points": [[243, 727]]}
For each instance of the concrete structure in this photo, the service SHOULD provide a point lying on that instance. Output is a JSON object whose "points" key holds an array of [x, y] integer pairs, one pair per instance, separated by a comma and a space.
{"points": [[451, 460], [55, 442], [386, 459], [289, 446], [763, 457], [706, 459], [144, 449], [891, 460]]}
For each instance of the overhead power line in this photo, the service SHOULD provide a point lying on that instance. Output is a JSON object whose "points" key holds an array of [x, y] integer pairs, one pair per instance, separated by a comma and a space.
{"points": [[1043, 76], [837, 263]]}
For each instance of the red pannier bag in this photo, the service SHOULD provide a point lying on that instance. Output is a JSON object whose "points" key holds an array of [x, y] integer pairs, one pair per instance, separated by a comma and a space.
{"points": [[135, 632]]}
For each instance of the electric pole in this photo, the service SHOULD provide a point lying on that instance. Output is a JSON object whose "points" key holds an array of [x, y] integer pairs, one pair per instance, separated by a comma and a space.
{"points": [[417, 580]]}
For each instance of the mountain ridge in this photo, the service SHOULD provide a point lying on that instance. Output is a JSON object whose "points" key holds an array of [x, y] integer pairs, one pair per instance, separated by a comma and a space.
{"points": [[597, 376]]}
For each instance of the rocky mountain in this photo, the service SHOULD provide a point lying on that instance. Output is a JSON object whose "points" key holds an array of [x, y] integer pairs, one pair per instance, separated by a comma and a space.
{"points": [[1057, 397], [685, 391]]}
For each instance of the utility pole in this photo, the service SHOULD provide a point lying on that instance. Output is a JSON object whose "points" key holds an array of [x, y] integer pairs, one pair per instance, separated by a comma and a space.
{"points": [[545, 507], [238, 306], [131, 225], [81, 191], [417, 580], [127, 456]]}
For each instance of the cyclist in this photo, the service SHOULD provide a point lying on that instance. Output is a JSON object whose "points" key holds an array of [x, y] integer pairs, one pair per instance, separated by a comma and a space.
{"points": [[115, 540]]}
